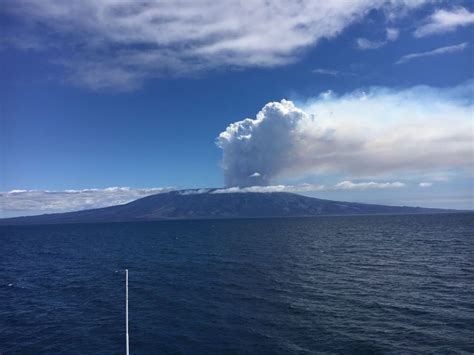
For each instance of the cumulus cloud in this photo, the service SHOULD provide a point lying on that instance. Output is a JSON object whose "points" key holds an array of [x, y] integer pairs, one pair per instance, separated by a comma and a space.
{"points": [[391, 35], [377, 132], [71, 200], [120, 43], [250, 145], [438, 51], [445, 21]]}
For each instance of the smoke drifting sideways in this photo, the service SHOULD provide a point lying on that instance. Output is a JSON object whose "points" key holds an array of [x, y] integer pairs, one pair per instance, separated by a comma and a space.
{"points": [[379, 132]]}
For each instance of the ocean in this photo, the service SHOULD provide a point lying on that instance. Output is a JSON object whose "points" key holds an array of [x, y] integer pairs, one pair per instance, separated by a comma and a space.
{"points": [[352, 284]]}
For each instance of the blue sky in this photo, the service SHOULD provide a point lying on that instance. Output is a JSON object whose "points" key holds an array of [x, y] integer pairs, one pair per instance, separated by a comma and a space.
{"points": [[92, 98]]}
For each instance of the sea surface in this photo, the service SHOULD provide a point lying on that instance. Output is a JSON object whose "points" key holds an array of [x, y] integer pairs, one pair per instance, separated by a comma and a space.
{"points": [[356, 284]]}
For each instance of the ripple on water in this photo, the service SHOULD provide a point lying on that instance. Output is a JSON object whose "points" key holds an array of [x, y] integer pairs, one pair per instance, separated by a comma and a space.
{"points": [[368, 284]]}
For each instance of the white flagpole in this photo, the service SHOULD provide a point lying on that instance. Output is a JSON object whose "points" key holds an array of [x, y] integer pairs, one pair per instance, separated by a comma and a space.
{"points": [[127, 350]]}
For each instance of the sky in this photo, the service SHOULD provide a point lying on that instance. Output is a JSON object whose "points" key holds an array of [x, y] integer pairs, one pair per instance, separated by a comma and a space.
{"points": [[103, 102]]}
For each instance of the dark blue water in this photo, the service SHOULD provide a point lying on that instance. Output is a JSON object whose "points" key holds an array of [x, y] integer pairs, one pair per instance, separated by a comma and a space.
{"points": [[369, 284]]}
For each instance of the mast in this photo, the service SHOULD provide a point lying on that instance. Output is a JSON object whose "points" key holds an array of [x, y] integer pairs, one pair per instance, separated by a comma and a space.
{"points": [[127, 350]]}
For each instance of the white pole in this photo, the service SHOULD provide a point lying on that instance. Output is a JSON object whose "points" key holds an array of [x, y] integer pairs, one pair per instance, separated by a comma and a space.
{"points": [[127, 350]]}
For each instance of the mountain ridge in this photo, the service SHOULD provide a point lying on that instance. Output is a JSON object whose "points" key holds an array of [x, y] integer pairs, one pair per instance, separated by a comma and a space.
{"points": [[209, 204]]}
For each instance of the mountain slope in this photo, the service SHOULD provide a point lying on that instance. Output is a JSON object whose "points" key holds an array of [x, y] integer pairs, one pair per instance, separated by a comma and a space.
{"points": [[188, 204]]}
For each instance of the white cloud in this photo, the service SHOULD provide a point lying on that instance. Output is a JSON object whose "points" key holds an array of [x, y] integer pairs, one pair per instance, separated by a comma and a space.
{"points": [[28, 202], [376, 132], [391, 35], [438, 51], [194, 191], [330, 72], [349, 185], [364, 43], [121, 43], [445, 21], [425, 184], [272, 188], [343, 185], [71, 200], [326, 72]]}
